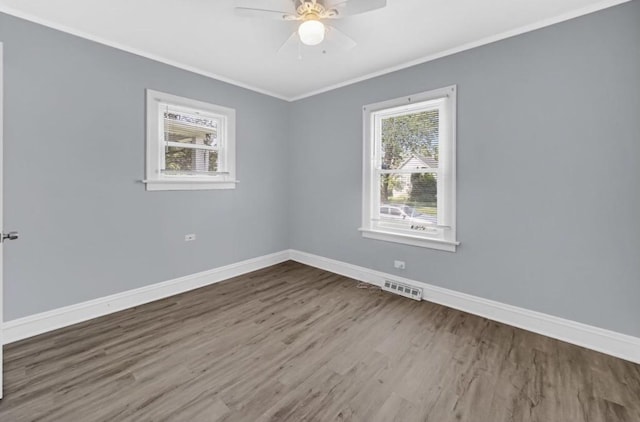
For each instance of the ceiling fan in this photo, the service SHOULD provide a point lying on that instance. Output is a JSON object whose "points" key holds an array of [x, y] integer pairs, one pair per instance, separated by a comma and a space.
{"points": [[312, 31]]}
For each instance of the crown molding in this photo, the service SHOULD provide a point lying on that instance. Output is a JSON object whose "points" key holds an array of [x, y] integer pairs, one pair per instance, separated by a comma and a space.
{"points": [[468, 46], [605, 4], [63, 28]]}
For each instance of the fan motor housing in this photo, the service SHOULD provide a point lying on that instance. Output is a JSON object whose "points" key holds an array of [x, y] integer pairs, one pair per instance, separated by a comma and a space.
{"points": [[311, 9]]}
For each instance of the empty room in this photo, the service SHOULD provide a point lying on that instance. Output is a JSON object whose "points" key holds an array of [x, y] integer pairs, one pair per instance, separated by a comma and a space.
{"points": [[320, 210]]}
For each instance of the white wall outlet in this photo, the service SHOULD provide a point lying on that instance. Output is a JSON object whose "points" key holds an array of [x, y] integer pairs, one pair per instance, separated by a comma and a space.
{"points": [[189, 237], [399, 265]]}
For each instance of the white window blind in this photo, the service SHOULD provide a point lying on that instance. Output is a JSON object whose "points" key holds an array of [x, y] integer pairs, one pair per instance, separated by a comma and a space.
{"points": [[409, 186], [190, 144]]}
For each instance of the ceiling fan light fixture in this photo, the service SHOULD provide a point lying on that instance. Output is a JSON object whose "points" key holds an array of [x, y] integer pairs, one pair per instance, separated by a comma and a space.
{"points": [[311, 32]]}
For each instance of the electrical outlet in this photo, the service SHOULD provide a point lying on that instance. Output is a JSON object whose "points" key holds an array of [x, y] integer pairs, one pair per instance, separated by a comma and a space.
{"points": [[189, 237], [399, 265]]}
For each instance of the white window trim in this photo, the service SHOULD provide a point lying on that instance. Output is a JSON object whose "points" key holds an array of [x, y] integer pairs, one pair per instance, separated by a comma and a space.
{"points": [[448, 240], [155, 180]]}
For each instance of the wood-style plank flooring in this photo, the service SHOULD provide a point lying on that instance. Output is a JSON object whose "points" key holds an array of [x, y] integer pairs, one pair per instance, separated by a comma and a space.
{"points": [[294, 343]]}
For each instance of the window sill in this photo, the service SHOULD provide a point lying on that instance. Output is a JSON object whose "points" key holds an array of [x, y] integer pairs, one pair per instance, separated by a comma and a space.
{"points": [[441, 245], [153, 185]]}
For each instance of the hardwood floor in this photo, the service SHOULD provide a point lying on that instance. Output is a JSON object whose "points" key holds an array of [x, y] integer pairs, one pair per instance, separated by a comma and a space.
{"points": [[293, 343]]}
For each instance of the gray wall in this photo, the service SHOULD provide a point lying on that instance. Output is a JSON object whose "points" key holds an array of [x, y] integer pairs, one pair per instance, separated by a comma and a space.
{"points": [[74, 151], [548, 172], [548, 202]]}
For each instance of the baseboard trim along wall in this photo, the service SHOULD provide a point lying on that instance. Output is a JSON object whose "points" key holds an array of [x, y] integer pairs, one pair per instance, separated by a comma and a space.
{"points": [[598, 339], [32, 325], [594, 338]]}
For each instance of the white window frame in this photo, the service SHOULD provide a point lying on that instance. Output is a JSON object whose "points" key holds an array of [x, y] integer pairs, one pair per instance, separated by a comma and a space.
{"points": [[155, 155], [440, 237]]}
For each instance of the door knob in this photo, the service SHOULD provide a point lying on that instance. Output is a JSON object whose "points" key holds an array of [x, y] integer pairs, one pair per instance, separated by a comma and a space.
{"points": [[10, 236]]}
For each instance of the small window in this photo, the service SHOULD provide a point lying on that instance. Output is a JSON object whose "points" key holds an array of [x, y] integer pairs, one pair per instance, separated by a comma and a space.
{"points": [[409, 159], [190, 144]]}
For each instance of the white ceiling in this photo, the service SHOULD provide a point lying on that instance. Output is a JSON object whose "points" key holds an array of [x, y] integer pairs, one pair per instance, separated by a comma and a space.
{"points": [[207, 37]]}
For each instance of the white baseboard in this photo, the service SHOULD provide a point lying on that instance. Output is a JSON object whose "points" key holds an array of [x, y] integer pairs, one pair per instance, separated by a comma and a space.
{"points": [[598, 339], [32, 325]]}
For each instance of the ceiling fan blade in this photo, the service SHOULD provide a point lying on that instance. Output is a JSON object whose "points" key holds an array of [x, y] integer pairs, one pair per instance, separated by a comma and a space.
{"points": [[287, 6], [292, 47], [261, 13], [265, 8], [337, 40], [354, 7], [334, 40]]}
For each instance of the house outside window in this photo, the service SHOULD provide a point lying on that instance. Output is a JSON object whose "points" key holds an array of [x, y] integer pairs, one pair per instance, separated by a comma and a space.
{"points": [[409, 182], [190, 144]]}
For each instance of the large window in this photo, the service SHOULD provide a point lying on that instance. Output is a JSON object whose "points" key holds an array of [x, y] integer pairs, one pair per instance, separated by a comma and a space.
{"points": [[190, 144], [409, 170]]}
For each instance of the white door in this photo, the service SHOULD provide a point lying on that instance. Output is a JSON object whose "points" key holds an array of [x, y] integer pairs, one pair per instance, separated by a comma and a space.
{"points": [[3, 236], [1, 207]]}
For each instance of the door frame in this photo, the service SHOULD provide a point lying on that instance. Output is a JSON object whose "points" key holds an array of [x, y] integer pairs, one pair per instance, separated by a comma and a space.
{"points": [[1, 208]]}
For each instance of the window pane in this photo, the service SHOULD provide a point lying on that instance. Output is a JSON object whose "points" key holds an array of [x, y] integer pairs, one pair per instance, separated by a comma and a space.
{"points": [[190, 128], [411, 198], [190, 160], [410, 141]]}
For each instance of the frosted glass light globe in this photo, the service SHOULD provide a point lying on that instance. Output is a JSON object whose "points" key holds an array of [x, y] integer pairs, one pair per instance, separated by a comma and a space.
{"points": [[311, 32]]}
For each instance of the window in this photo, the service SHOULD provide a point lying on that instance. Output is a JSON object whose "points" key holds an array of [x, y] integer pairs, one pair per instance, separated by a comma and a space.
{"points": [[409, 170], [190, 144]]}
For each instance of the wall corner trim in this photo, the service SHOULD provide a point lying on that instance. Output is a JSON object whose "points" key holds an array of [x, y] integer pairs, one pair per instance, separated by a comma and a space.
{"points": [[605, 341], [32, 325]]}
